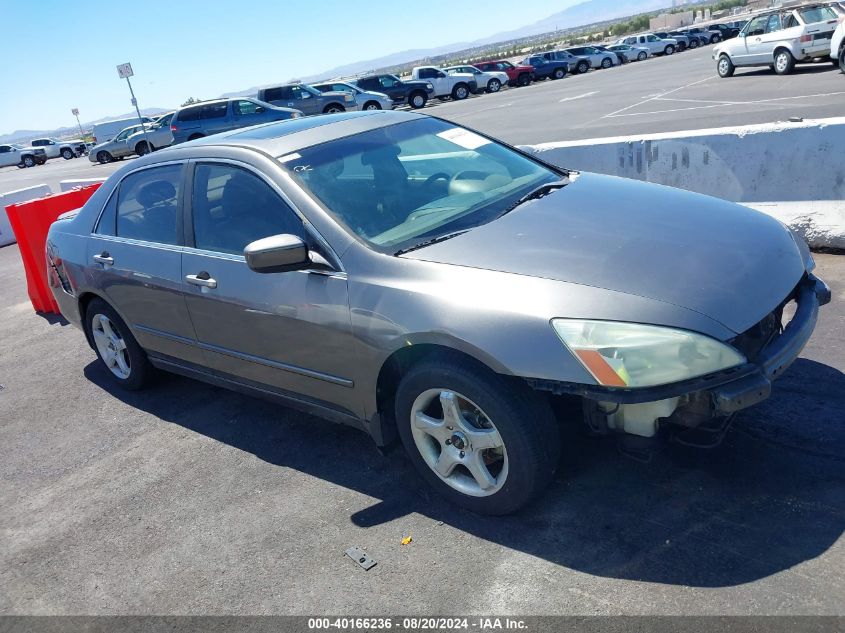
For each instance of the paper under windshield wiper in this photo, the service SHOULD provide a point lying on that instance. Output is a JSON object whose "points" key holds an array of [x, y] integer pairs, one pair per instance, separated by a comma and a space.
{"points": [[433, 240], [537, 193]]}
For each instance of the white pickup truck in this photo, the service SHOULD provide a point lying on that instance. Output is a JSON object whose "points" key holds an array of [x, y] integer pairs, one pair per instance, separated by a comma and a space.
{"points": [[457, 85], [653, 43], [14, 154], [55, 148]]}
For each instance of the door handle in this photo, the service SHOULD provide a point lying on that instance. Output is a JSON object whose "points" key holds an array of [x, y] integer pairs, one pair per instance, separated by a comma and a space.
{"points": [[201, 279], [104, 258]]}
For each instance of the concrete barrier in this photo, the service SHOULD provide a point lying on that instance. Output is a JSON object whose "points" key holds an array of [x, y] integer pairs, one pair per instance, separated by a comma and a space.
{"points": [[793, 171], [67, 185], [11, 197]]}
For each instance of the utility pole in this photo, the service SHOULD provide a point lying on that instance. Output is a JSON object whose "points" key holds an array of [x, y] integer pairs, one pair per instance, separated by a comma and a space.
{"points": [[75, 112], [124, 71]]}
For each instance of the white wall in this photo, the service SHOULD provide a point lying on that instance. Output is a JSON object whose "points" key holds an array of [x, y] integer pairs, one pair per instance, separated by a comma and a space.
{"points": [[11, 197]]}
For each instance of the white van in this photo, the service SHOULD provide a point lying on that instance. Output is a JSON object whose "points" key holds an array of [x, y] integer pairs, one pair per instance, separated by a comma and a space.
{"points": [[107, 131]]}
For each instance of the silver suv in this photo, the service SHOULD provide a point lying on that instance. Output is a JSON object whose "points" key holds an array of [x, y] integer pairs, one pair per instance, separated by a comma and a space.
{"points": [[779, 39], [308, 100]]}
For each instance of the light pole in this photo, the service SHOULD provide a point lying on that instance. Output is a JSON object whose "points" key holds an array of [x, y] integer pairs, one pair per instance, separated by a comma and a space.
{"points": [[124, 71], [75, 112]]}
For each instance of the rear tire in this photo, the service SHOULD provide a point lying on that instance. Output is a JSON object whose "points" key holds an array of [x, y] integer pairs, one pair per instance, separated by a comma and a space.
{"points": [[606, 63], [521, 436], [372, 105], [126, 363], [104, 157], [333, 108], [558, 73], [67, 153], [28, 161], [725, 67], [842, 60], [142, 148], [784, 62], [694, 43], [523, 80], [417, 100], [681, 47], [494, 85], [669, 50]]}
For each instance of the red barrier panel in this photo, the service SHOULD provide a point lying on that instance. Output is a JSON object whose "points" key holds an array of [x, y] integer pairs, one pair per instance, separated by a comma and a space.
{"points": [[30, 221]]}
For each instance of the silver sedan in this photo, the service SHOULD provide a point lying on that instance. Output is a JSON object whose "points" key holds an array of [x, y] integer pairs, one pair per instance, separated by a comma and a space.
{"points": [[410, 277]]}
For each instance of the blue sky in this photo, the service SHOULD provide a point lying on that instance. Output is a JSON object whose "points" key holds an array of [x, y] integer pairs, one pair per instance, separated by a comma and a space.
{"points": [[190, 48]]}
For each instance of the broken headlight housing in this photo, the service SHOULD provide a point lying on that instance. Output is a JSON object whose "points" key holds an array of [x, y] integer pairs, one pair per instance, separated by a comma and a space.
{"points": [[632, 355]]}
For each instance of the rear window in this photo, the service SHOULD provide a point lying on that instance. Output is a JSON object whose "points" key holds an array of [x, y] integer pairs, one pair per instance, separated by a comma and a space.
{"points": [[817, 14], [190, 114], [272, 94]]}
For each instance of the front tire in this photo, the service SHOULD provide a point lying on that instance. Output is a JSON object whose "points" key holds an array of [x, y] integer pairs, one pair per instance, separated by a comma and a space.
{"points": [[372, 105], [583, 67], [460, 92], [694, 43], [642, 56], [418, 100], [784, 62], [523, 80], [67, 153], [606, 63], [333, 108], [842, 60], [725, 67], [483, 441], [669, 50], [142, 149], [29, 161], [117, 349], [559, 73]]}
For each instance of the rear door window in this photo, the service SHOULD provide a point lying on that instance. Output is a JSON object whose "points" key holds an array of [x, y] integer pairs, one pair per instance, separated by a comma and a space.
{"points": [[148, 205], [774, 24], [190, 114], [215, 110]]}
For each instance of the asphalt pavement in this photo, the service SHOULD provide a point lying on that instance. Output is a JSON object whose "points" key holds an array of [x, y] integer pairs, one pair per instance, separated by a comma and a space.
{"points": [[188, 499]]}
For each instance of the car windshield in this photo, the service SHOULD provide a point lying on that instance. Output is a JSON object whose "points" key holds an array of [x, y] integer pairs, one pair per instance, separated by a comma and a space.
{"points": [[403, 185]]}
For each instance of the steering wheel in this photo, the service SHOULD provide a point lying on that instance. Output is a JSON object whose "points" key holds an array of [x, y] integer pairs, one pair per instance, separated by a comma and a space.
{"points": [[440, 175]]}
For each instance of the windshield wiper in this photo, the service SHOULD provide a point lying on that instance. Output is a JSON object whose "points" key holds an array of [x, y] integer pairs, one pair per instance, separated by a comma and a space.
{"points": [[537, 193], [429, 242]]}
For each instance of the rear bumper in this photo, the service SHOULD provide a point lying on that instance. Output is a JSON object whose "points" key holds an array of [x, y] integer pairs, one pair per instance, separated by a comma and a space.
{"points": [[731, 390]]}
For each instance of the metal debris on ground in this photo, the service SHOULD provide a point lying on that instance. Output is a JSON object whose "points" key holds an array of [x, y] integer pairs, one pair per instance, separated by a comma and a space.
{"points": [[361, 557]]}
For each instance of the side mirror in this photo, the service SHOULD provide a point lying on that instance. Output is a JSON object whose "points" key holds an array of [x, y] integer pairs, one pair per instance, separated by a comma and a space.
{"points": [[260, 109], [277, 254]]}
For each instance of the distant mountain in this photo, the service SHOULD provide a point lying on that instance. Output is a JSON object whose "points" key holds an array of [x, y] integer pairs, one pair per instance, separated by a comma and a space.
{"points": [[580, 14], [27, 135]]}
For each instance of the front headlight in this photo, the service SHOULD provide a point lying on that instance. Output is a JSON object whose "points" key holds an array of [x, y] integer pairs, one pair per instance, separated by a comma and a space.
{"points": [[429, 87], [347, 97], [633, 355], [295, 115]]}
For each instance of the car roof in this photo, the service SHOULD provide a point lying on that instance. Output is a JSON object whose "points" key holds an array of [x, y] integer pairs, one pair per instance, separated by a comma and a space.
{"points": [[283, 137]]}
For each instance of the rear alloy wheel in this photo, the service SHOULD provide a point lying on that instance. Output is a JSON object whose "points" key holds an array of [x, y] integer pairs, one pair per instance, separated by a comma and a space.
{"points": [[784, 62], [694, 43], [583, 67], [494, 85], [606, 63], [483, 442], [642, 56], [28, 161], [669, 50], [372, 105], [334, 108], [559, 73], [104, 157], [116, 348], [67, 153], [725, 67], [460, 92]]}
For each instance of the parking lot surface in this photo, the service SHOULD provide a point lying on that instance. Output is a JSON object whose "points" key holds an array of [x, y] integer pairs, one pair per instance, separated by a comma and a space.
{"points": [[188, 499], [665, 94]]}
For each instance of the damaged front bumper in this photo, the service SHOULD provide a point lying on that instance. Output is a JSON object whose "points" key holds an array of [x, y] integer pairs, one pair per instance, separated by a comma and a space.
{"points": [[694, 402]]}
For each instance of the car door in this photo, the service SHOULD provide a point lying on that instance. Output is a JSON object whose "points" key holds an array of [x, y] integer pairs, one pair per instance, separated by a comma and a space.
{"points": [[750, 49], [135, 257], [290, 331], [762, 48], [8, 156], [300, 99], [216, 118], [246, 112], [392, 87]]}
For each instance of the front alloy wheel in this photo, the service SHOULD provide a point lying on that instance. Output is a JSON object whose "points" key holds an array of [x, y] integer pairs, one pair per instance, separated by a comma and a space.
{"points": [[483, 441]]}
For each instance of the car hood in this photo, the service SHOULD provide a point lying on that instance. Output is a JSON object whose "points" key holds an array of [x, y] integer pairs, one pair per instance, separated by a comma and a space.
{"points": [[727, 262]]}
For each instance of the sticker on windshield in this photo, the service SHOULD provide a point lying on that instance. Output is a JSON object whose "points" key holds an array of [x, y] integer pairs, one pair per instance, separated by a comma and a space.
{"points": [[289, 157], [464, 138]]}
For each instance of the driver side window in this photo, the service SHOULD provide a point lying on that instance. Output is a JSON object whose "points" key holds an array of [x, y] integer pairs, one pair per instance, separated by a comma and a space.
{"points": [[232, 207]]}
